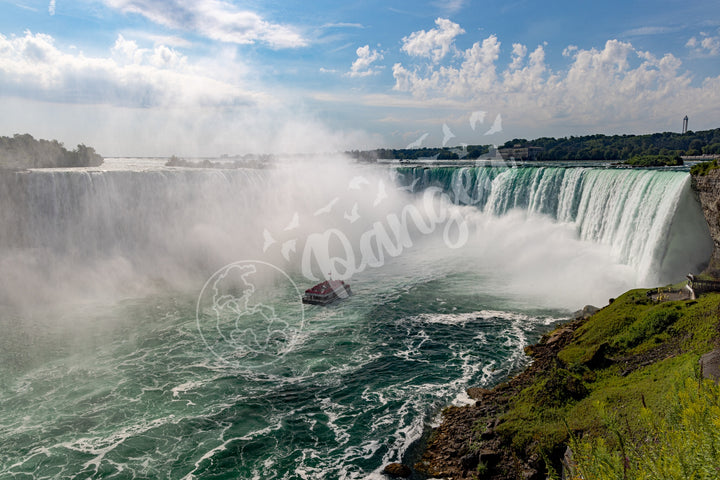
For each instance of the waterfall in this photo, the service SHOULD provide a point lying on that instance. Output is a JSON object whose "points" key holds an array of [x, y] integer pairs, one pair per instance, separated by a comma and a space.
{"points": [[88, 227], [89, 213], [649, 218], [107, 230]]}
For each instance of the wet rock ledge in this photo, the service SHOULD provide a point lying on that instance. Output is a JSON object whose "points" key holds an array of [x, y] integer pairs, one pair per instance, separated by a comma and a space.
{"points": [[468, 438], [707, 189]]}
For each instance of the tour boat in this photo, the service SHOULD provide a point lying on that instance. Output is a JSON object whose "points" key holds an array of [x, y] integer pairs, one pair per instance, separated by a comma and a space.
{"points": [[327, 292]]}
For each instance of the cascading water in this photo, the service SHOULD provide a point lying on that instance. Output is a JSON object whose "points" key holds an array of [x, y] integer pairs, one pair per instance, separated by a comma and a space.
{"points": [[63, 227], [111, 368], [649, 218]]}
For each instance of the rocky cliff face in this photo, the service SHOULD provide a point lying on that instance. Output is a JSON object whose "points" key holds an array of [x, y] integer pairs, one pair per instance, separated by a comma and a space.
{"points": [[708, 189]]}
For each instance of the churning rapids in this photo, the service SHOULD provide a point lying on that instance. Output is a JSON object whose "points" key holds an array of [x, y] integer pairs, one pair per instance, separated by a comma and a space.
{"points": [[152, 326]]}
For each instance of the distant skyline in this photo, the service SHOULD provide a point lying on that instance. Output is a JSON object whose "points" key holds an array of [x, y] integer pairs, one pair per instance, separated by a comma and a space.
{"points": [[207, 77]]}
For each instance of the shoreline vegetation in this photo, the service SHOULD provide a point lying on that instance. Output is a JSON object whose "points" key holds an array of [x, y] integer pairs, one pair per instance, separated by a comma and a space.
{"points": [[226, 162], [655, 161], [22, 151], [702, 169], [624, 147], [587, 147], [652, 150]]}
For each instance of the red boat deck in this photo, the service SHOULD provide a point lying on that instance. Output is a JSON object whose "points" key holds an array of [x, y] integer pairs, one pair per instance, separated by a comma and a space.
{"points": [[327, 292]]}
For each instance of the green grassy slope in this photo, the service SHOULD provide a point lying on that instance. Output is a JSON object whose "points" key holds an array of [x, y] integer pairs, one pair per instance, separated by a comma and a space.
{"points": [[631, 357]]}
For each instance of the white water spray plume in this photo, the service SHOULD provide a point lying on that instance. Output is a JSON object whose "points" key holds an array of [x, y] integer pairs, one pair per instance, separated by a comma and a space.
{"points": [[570, 242]]}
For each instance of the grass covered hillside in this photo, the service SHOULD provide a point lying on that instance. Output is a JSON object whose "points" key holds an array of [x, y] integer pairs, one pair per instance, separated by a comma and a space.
{"points": [[609, 386], [631, 358]]}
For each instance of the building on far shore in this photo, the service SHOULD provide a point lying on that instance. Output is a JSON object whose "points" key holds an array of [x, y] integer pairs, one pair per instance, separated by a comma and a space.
{"points": [[518, 152]]}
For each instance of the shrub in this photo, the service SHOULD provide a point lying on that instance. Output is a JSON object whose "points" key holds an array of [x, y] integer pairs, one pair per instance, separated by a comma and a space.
{"points": [[702, 169], [680, 441], [647, 326], [655, 161]]}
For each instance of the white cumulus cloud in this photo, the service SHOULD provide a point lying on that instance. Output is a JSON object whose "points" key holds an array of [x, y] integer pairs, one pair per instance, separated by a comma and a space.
{"points": [[705, 45], [362, 66], [33, 67], [435, 43], [214, 19], [570, 50], [519, 53], [612, 85], [476, 71]]}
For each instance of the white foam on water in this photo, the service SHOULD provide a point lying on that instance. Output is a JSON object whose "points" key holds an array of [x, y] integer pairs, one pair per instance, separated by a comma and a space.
{"points": [[100, 446], [462, 399], [464, 318], [368, 395], [414, 346], [489, 372], [208, 455], [186, 387], [334, 413]]}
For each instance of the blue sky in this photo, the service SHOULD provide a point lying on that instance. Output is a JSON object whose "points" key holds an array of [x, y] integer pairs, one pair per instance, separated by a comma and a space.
{"points": [[205, 77]]}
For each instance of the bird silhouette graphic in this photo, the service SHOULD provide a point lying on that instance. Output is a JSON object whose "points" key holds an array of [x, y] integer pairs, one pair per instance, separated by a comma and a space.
{"points": [[447, 134], [288, 247], [410, 188], [496, 126], [357, 182], [327, 208], [476, 117], [294, 223], [269, 240], [381, 194], [353, 216], [417, 143]]}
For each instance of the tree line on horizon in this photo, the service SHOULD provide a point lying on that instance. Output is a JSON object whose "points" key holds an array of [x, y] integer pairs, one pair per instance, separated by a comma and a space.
{"points": [[624, 147], [23, 151], [470, 152], [587, 147]]}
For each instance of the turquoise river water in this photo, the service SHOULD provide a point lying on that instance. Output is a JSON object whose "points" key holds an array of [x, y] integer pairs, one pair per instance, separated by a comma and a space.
{"points": [[124, 356]]}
